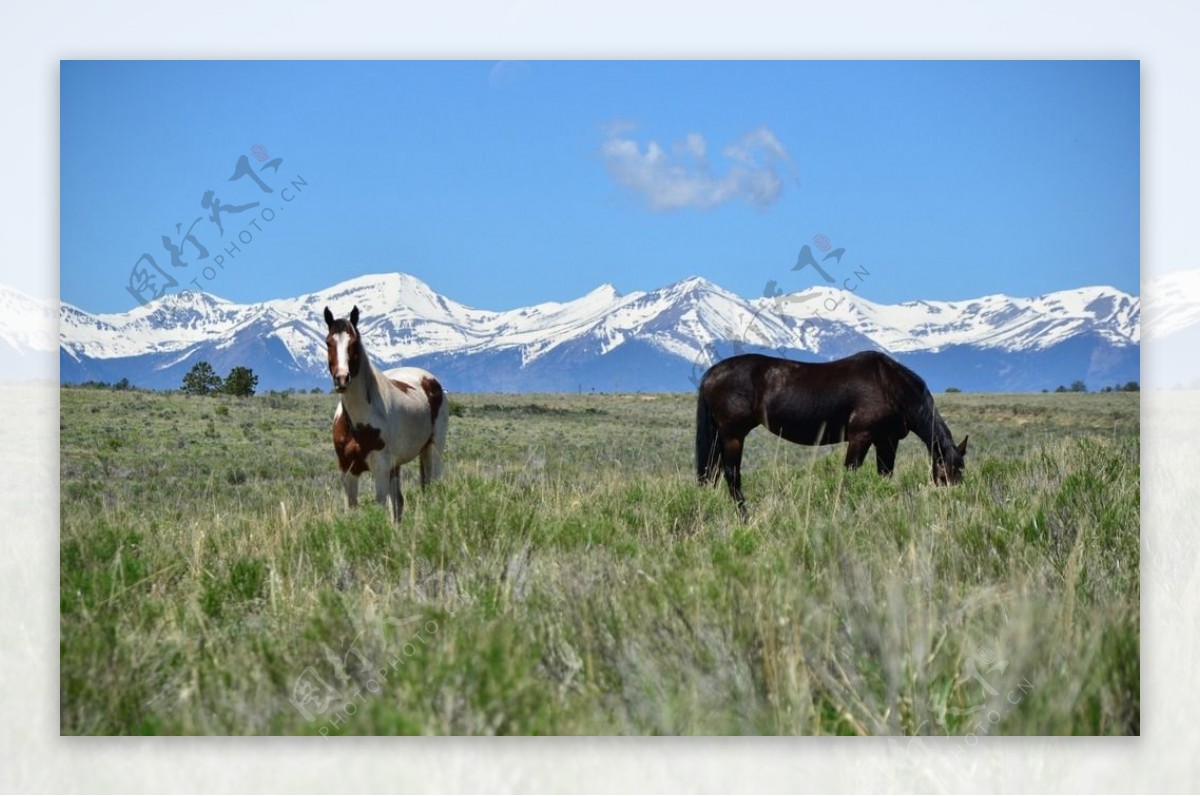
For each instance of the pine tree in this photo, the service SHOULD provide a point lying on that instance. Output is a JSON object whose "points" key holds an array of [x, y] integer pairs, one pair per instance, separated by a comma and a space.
{"points": [[201, 380], [241, 382]]}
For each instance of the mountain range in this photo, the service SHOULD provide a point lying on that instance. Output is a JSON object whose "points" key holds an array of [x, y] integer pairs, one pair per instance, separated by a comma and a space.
{"points": [[658, 340]]}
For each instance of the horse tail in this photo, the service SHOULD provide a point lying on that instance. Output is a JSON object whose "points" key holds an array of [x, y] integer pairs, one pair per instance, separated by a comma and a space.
{"points": [[709, 458], [440, 425], [431, 454]]}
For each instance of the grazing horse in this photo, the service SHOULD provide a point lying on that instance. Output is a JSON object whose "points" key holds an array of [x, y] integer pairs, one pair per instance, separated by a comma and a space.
{"points": [[384, 419], [865, 399]]}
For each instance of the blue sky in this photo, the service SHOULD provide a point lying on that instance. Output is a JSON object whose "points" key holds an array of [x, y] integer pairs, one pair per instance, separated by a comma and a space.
{"points": [[508, 184]]}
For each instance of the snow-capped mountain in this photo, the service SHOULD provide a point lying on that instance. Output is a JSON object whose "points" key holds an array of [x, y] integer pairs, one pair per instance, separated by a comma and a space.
{"points": [[1173, 329], [648, 340], [26, 336]]}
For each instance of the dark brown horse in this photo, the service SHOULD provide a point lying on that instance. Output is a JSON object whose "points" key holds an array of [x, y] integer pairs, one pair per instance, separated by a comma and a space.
{"points": [[865, 399]]}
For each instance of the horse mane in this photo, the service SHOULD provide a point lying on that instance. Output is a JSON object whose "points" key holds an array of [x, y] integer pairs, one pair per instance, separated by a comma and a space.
{"points": [[920, 412], [373, 375]]}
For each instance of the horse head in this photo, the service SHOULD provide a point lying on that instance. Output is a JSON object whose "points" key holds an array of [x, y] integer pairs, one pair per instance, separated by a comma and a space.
{"points": [[344, 348], [948, 464]]}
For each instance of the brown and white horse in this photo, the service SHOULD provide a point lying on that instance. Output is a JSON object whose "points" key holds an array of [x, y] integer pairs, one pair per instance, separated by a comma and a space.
{"points": [[385, 418]]}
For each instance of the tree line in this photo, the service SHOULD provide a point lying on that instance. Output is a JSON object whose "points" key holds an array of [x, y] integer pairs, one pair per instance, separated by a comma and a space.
{"points": [[241, 381], [203, 380], [1079, 386]]}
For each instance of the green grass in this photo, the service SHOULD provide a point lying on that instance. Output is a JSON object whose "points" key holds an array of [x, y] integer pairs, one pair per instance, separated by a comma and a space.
{"points": [[569, 577]]}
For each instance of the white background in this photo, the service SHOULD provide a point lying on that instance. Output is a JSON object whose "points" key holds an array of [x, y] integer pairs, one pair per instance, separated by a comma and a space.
{"points": [[34, 36]]}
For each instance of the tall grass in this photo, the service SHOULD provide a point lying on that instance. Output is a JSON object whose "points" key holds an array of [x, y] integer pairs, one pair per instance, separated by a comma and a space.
{"points": [[568, 576]]}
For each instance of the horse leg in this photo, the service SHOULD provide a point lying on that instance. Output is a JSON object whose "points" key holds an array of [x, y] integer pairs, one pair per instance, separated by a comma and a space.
{"points": [[350, 485], [395, 493], [382, 484], [885, 455], [856, 450], [731, 455]]}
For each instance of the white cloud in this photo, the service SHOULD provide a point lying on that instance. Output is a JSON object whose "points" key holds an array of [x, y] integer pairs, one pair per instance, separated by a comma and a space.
{"points": [[694, 144], [757, 166]]}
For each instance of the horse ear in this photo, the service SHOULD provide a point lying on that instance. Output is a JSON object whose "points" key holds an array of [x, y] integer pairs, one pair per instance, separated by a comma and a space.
{"points": [[354, 317], [328, 317], [962, 446]]}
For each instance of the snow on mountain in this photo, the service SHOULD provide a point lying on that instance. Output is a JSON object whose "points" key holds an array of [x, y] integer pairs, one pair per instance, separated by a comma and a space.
{"points": [[26, 336], [996, 321], [26, 324], [1172, 303], [1173, 328], [168, 325], [562, 345]]}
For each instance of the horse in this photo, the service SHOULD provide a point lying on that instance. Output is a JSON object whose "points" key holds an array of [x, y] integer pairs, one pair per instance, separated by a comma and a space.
{"points": [[865, 399], [384, 418]]}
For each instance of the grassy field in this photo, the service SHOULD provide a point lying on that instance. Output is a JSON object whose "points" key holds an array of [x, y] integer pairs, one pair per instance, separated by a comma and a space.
{"points": [[569, 577]]}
